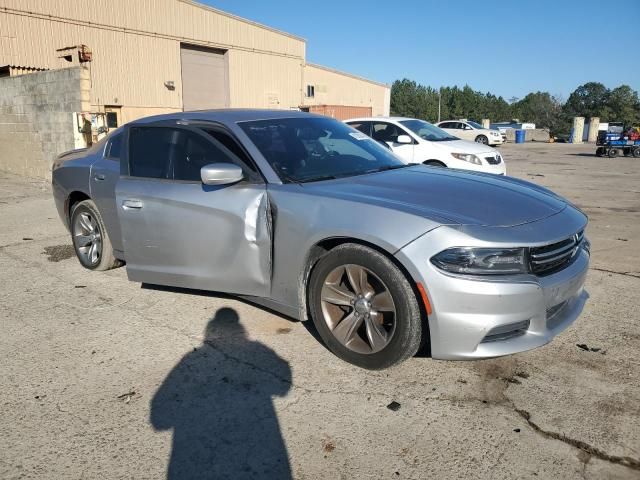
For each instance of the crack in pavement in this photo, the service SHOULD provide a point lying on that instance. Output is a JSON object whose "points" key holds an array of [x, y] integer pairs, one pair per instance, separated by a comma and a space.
{"points": [[579, 444], [626, 274]]}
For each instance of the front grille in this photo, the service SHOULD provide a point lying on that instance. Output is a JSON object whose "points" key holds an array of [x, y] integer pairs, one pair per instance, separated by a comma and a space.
{"points": [[551, 258], [494, 160]]}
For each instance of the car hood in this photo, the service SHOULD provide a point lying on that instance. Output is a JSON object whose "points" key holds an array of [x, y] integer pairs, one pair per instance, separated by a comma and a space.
{"points": [[447, 196], [463, 146]]}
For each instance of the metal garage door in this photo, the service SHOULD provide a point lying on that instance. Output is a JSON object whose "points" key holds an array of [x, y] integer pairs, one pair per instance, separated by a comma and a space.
{"points": [[204, 78]]}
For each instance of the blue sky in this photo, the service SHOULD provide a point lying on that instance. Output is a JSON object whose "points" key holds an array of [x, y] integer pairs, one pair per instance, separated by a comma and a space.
{"points": [[508, 48]]}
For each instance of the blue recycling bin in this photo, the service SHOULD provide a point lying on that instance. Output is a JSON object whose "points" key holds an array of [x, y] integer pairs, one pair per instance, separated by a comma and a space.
{"points": [[520, 136]]}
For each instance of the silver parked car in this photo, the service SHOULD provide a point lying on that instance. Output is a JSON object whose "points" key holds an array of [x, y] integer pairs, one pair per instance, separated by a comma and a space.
{"points": [[307, 216]]}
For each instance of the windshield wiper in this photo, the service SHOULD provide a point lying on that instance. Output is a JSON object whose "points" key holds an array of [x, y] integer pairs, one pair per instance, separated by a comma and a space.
{"points": [[443, 139], [287, 177], [387, 167], [318, 178], [351, 174]]}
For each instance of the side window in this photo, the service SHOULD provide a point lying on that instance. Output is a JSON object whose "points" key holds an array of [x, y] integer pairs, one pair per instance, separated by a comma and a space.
{"points": [[114, 145], [193, 152], [150, 151], [228, 142], [171, 153], [385, 132], [444, 125], [364, 127]]}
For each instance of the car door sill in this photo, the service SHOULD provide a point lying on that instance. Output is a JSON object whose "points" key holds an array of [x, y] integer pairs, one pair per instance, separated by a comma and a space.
{"points": [[286, 310]]}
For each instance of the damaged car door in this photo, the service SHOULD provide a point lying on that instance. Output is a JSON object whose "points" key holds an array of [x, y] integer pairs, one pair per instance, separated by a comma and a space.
{"points": [[176, 230]]}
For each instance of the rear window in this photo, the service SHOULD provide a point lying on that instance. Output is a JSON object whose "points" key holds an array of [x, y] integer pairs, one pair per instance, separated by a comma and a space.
{"points": [[149, 151], [113, 147]]}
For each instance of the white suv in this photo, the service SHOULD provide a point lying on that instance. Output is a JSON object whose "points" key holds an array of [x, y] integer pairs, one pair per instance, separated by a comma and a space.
{"points": [[472, 131], [417, 141]]}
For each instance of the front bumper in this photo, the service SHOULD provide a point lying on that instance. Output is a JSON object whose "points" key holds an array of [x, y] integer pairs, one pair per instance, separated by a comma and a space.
{"points": [[467, 313]]}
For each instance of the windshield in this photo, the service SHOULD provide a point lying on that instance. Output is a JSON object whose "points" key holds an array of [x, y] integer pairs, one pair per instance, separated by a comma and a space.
{"points": [[427, 131], [475, 124], [311, 149]]}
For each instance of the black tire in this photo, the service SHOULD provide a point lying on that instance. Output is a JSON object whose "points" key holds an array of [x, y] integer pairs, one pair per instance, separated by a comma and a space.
{"points": [[408, 331], [636, 152], [613, 152], [435, 163], [482, 139], [105, 259], [599, 152]]}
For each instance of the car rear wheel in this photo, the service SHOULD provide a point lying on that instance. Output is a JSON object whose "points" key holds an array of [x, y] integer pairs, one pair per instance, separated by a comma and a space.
{"points": [[636, 152], [482, 139], [364, 308], [613, 152], [90, 238]]}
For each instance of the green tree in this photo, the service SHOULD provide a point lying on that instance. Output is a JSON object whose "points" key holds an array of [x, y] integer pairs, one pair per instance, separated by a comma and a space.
{"points": [[588, 100], [624, 105], [593, 99], [544, 110]]}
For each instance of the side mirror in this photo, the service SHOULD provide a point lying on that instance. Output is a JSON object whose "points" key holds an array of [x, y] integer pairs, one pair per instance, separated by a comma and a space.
{"points": [[220, 174], [404, 139]]}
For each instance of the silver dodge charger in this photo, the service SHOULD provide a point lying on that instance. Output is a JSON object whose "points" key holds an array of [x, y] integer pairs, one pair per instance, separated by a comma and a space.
{"points": [[307, 216]]}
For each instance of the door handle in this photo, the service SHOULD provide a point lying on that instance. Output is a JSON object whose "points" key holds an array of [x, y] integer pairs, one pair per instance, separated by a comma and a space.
{"points": [[98, 177], [132, 204]]}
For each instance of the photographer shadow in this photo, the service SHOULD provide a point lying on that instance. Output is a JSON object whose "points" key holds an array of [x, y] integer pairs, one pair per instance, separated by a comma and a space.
{"points": [[218, 402]]}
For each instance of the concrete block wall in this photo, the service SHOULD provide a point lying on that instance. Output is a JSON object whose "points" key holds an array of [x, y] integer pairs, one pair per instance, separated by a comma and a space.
{"points": [[36, 118], [530, 135]]}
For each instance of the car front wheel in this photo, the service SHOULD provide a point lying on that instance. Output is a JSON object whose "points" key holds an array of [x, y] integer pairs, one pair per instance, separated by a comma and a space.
{"points": [[90, 239], [364, 308], [482, 139]]}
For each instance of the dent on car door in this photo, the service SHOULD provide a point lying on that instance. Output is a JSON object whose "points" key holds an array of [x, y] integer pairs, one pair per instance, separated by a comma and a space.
{"points": [[178, 231]]}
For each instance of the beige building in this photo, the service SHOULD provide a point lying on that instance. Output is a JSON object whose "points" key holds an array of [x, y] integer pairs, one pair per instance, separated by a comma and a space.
{"points": [[147, 57]]}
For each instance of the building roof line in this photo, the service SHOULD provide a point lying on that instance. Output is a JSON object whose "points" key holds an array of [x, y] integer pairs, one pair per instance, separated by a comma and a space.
{"points": [[244, 20], [104, 26], [346, 74]]}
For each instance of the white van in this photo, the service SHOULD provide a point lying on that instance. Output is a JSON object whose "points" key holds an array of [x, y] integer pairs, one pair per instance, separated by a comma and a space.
{"points": [[417, 141]]}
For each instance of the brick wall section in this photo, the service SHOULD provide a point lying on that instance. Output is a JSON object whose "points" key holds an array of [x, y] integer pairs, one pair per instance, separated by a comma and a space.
{"points": [[36, 118]]}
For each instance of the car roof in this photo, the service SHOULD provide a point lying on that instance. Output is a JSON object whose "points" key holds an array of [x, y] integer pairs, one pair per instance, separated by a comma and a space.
{"points": [[373, 119], [228, 115]]}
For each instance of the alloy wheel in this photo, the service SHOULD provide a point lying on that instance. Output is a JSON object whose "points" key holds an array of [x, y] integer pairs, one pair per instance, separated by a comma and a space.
{"points": [[358, 309], [87, 238]]}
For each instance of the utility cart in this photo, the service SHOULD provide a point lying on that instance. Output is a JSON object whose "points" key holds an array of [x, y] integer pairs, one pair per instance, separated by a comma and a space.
{"points": [[613, 144]]}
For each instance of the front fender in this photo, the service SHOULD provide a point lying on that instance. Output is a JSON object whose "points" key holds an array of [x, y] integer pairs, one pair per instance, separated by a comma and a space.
{"points": [[303, 222]]}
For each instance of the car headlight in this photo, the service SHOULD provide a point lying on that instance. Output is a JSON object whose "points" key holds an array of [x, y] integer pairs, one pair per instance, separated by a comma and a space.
{"points": [[467, 157], [481, 261], [495, 134]]}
